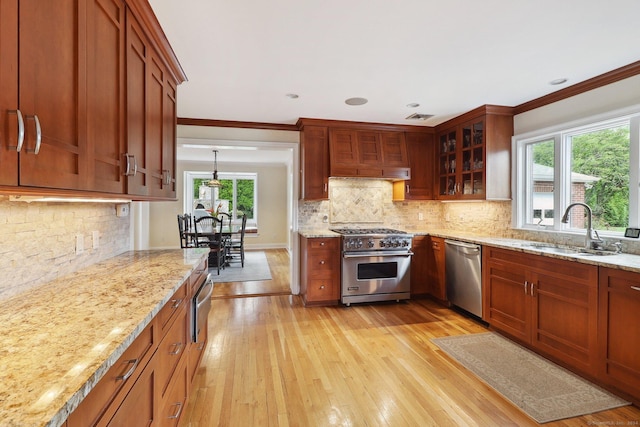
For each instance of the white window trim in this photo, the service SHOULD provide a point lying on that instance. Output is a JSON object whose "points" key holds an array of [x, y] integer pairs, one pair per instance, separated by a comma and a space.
{"points": [[558, 133]]}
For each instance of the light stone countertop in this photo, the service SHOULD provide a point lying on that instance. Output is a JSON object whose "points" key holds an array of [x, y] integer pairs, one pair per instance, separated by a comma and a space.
{"points": [[60, 338], [628, 262]]}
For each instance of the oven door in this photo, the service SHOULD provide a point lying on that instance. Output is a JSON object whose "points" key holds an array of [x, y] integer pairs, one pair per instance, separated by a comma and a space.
{"points": [[200, 307], [375, 276]]}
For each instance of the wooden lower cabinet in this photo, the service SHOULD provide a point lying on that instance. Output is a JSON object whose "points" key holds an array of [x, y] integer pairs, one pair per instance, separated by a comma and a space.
{"points": [[419, 266], [619, 331], [548, 304], [139, 407], [150, 382], [320, 270], [427, 267], [436, 266]]}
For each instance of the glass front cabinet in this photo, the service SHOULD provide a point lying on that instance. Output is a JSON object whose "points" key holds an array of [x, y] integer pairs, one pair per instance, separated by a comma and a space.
{"points": [[466, 150]]}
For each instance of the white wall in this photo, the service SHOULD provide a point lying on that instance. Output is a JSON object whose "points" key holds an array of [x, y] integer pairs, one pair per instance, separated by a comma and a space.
{"points": [[273, 230]]}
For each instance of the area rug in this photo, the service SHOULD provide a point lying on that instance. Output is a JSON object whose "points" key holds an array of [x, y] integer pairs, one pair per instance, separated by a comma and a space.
{"points": [[543, 390], [255, 268]]}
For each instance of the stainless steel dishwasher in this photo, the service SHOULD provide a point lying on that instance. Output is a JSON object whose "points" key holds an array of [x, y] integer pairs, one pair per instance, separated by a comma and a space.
{"points": [[463, 273]]}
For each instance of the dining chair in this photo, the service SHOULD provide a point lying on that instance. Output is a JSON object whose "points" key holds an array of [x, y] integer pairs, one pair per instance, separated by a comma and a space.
{"points": [[225, 218], [236, 246], [184, 227], [208, 232]]}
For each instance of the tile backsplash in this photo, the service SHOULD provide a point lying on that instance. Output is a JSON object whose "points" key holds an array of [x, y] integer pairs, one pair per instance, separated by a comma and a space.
{"points": [[38, 240]]}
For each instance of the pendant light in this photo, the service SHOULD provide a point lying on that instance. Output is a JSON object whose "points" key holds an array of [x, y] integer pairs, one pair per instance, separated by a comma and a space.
{"points": [[214, 182]]}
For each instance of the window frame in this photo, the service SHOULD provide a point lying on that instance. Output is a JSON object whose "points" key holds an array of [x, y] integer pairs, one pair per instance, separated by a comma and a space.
{"points": [[561, 135], [189, 177]]}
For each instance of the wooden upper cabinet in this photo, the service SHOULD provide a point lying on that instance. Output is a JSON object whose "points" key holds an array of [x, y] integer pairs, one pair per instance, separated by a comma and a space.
{"points": [[314, 160], [52, 94], [9, 92], [420, 153], [368, 154], [474, 155], [106, 84], [66, 87]]}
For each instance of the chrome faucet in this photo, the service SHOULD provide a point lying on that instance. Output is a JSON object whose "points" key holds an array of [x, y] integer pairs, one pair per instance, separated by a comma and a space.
{"points": [[592, 240]]}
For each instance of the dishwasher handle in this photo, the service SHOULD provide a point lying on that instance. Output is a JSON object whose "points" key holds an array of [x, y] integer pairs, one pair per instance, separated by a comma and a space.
{"points": [[462, 244]]}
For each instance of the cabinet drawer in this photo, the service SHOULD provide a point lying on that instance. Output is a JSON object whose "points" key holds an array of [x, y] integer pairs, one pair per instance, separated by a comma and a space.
{"points": [[173, 306], [322, 290], [321, 263], [175, 400], [171, 348], [122, 375], [330, 243]]}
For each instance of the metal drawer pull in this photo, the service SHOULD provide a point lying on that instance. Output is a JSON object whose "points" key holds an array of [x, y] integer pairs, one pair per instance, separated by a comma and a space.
{"points": [[18, 146], [322, 262], [177, 414], [130, 372], [321, 286], [635, 288], [178, 347], [321, 243]]}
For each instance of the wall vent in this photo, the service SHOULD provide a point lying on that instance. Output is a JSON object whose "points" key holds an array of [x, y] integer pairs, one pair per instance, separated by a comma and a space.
{"points": [[418, 116]]}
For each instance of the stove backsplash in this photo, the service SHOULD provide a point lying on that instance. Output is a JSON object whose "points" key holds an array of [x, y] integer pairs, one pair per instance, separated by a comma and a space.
{"points": [[368, 203]]}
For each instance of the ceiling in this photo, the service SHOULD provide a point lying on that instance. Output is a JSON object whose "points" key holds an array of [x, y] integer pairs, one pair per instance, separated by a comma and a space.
{"points": [[449, 56]]}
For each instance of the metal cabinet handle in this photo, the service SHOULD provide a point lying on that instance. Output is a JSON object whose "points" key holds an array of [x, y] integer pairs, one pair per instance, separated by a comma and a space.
{"points": [[36, 149], [635, 288], [322, 262], [325, 187], [177, 413], [128, 158], [321, 243], [126, 375], [176, 302], [525, 287], [18, 146], [533, 285], [178, 347], [407, 190], [321, 286]]}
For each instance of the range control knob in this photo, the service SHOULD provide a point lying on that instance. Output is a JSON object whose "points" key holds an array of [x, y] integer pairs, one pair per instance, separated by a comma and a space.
{"points": [[370, 244], [382, 243], [359, 244]]}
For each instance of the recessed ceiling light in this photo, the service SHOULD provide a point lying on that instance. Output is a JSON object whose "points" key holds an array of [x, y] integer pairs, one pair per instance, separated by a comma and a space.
{"points": [[356, 101], [292, 95], [413, 105], [558, 81]]}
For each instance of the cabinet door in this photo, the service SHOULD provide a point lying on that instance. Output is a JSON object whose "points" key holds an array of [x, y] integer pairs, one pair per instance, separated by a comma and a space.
{"points": [[394, 149], [470, 161], [420, 265], [53, 97], [437, 282], [565, 314], [138, 177], [106, 93], [154, 124], [169, 138], [619, 329], [420, 151], [314, 153], [506, 297], [9, 92], [447, 164]]}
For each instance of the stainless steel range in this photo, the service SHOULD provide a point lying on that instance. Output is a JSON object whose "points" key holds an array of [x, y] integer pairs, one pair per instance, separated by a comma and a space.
{"points": [[376, 264]]}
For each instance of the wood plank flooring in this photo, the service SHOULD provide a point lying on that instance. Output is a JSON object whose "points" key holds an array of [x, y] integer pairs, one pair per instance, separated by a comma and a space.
{"points": [[273, 362]]}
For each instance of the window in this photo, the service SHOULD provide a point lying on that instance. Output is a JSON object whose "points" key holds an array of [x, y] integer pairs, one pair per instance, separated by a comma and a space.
{"points": [[592, 163], [237, 195]]}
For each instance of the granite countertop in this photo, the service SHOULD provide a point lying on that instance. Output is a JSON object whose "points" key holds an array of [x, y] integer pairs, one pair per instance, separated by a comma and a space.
{"points": [[59, 338], [621, 261]]}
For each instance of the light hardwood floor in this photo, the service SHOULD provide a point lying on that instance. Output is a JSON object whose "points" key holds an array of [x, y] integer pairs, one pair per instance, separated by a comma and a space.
{"points": [[272, 362]]}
